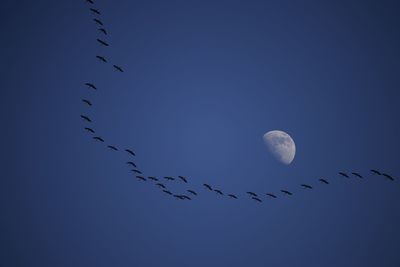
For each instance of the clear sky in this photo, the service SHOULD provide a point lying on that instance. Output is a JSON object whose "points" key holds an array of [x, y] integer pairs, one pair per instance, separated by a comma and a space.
{"points": [[203, 81]]}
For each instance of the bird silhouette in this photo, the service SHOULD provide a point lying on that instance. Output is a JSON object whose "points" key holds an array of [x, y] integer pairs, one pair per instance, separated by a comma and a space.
{"points": [[86, 118], [287, 192], [186, 197], [168, 192], [90, 1], [118, 68], [91, 85], [95, 11], [131, 163], [136, 171], [357, 174], [218, 191], [169, 178], [112, 147], [160, 185], [98, 138], [232, 196], [322, 180], [376, 172], [140, 177], [183, 178], [103, 31], [98, 22], [102, 42], [89, 129], [87, 102], [256, 199], [153, 178], [130, 152], [192, 192], [252, 194], [102, 59], [208, 187], [388, 176], [344, 174], [306, 186], [271, 195]]}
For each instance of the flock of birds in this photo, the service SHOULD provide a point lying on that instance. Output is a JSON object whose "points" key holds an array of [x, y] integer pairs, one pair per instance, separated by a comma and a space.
{"points": [[161, 182]]}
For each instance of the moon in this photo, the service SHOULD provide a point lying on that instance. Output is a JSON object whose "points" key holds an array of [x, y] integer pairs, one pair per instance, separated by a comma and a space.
{"points": [[281, 146]]}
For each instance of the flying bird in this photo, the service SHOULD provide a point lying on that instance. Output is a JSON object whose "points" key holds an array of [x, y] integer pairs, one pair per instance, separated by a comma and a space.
{"points": [[322, 180], [185, 196], [192, 192], [376, 172], [87, 102], [118, 68], [357, 174], [152, 178], [86, 118], [95, 11], [89, 129], [140, 177], [90, 1], [183, 178], [232, 196], [344, 174], [98, 22], [102, 42], [160, 185], [388, 176], [102, 59], [103, 31], [91, 85], [112, 147], [98, 138], [306, 186], [218, 191], [169, 178], [136, 171], [130, 152], [252, 194], [287, 192], [208, 187], [257, 199], [131, 163], [168, 192], [271, 195]]}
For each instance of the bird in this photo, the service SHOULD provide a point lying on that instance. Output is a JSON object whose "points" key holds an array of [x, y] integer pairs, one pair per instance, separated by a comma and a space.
{"points": [[287, 192], [179, 197], [89, 129], [112, 147], [86, 118], [102, 59], [140, 177], [322, 180], [376, 172], [344, 174], [232, 196], [130, 152], [357, 174], [218, 191], [136, 171], [87, 102], [257, 199], [102, 42], [252, 194], [306, 186], [91, 85], [95, 11], [103, 31], [118, 68], [388, 176], [208, 187], [168, 192], [98, 138], [169, 178], [90, 1], [152, 178], [131, 163], [160, 185], [271, 195], [185, 196], [98, 22], [183, 178], [192, 192]]}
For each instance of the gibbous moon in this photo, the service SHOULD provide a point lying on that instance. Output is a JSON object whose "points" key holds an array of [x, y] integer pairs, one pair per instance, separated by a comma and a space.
{"points": [[281, 146]]}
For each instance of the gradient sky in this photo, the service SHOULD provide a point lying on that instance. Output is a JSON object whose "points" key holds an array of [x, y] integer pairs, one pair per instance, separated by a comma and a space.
{"points": [[203, 81]]}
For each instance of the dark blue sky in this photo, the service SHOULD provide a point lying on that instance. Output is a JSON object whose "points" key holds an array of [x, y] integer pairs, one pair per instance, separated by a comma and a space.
{"points": [[203, 81]]}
